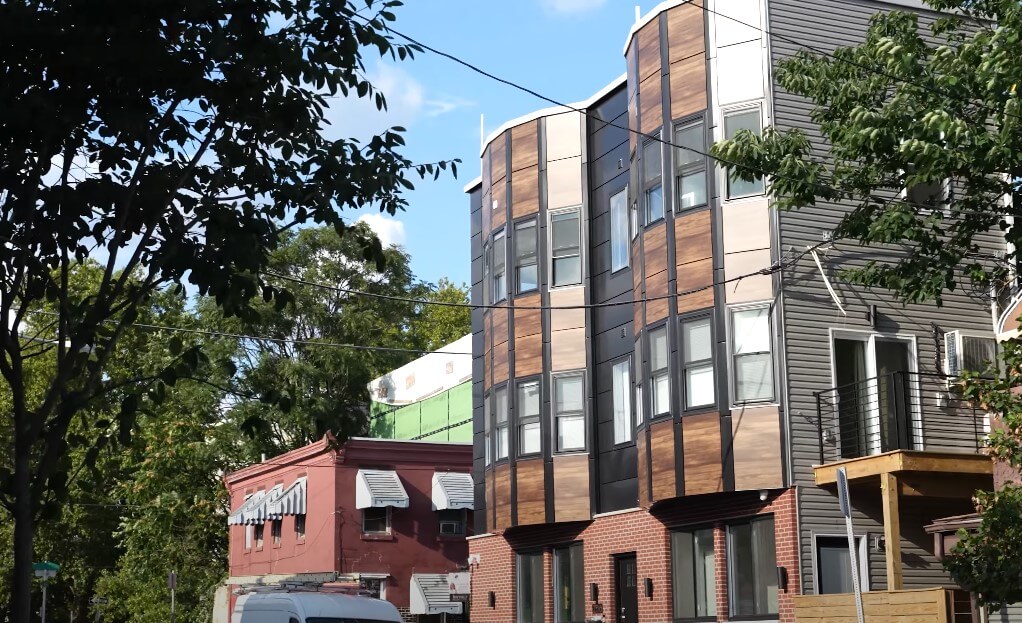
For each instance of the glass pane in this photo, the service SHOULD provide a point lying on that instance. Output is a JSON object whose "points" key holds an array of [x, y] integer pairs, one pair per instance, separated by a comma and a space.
{"points": [[694, 584], [528, 438], [693, 138], [567, 271], [651, 168], [568, 394], [699, 390], [661, 394], [751, 329], [766, 566], [697, 339], [498, 253], [502, 442], [638, 404], [528, 277], [499, 286], [530, 588], [568, 593], [745, 120], [658, 348], [500, 405], [654, 204], [833, 565], [705, 575], [692, 190], [621, 383], [525, 240], [565, 230], [528, 400], [618, 231], [742, 188], [754, 378], [635, 219], [753, 568], [571, 432]]}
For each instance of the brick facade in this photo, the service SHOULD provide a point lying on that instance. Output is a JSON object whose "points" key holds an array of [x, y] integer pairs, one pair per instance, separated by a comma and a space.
{"points": [[647, 534]]}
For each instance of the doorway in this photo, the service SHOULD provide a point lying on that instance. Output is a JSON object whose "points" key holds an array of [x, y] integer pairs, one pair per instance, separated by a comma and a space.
{"points": [[626, 589]]}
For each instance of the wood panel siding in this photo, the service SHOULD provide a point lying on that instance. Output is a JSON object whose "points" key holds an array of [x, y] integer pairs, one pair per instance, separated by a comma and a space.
{"points": [[488, 494], [500, 333], [688, 86], [531, 496], [500, 364], [685, 31], [642, 456], [651, 104], [656, 286], [661, 449], [498, 158], [561, 319], [649, 49], [567, 350], [486, 216], [564, 183], [692, 237], [693, 276], [498, 215], [527, 321], [525, 192], [571, 488], [633, 119], [756, 445], [487, 369], [524, 146], [637, 309], [702, 457], [528, 354], [655, 249], [502, 497]]}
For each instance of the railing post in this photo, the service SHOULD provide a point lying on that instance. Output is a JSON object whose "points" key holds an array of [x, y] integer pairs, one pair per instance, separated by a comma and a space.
{"points": [[901, 412], [819, 423]]}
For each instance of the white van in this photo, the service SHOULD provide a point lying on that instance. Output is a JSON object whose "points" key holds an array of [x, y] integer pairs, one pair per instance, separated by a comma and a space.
{"points": [[312, 607]]}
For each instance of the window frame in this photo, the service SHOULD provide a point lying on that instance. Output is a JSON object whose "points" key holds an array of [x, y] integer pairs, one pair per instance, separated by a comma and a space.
{"points": [[276, 531], [630, 423], [486, 272], [386, 519], [656, 182], [733, 369], [556, 415], [259, 535], [553, 257], [487, 429], [518, 263], [579, 600], [499, 427], [724, 114], [521, 419], [499, 286], [519, 556], [637, 382], [629, 236], [691, 169], [664, 372], [692, 530], [685, 365], [462, 521], [861, 553], [300, 526], [732, 566]]}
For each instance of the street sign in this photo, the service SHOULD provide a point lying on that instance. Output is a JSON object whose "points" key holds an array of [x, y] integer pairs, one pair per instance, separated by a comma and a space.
{"points": [[842, 493], [45, 570], [99, 601], [172, 580]]}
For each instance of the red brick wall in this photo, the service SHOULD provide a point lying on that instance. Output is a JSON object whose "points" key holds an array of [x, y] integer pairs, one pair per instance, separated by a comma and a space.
{"points": [[648, 535]]}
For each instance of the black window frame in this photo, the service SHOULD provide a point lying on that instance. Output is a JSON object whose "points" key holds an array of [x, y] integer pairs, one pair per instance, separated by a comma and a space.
{"points": [[300, 524], [655, 374], [556, 415], [685, 365], [523, 260], [692, 530], [498, 424], [732, 566], [629, 400], [692, 168], [451, 515], [386, 520], [522, 419], [499, 285], [276, 531], [724, 115], [258, 535], [487, 429], [650, 184], [486, 273], [554, 251], [538, 616], [629, 236], [575, 586]]}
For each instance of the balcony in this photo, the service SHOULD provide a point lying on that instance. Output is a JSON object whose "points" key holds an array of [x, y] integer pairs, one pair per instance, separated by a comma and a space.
{"points": [[930, 605]]}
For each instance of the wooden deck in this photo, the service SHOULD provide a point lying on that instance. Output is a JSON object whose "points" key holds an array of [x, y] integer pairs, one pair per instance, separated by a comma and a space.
{"points": [[898, 461], [929, 605]]}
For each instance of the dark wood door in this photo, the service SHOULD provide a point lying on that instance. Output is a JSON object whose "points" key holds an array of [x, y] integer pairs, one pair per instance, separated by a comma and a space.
{"points": [[626, 589]]}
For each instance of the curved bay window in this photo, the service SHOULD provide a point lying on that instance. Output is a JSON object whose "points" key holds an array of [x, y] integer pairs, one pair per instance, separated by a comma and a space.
{"points": [[690, 163]]}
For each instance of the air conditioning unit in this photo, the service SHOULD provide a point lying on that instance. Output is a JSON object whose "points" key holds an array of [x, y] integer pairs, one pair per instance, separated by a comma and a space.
{"points": [[450, 528], [963, 352]]}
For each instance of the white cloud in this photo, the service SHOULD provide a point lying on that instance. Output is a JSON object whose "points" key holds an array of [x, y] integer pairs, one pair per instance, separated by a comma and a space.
{"points": [[389, 230], [571, 7]]}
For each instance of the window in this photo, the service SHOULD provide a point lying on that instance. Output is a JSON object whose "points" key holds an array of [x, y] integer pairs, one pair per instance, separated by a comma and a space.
{"points": [[500, 415], [925, 196], [659, 384], [621, 383], [569, 598], [276, 527], [570, 422], [452, 522], [733, 122], [372, 587], [259, 536], [565, 249], [376, 520], [973, 353], [697, 362], [526, 271], [248, 537], [528, 418], [694, 585], [486, 274], [652, 174], [690, 139], [751, 353], [752, 568], [530, 588], [619, 231], [639, 405], [634, 219], [499, 272], [487, 429], [834, 564], [300, 526]]}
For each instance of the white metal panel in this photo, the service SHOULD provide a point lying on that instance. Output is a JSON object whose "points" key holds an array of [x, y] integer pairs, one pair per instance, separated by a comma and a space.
{"points": [[452, 490], [377, 488], [739, 72], [731, 17], [427, 376]]}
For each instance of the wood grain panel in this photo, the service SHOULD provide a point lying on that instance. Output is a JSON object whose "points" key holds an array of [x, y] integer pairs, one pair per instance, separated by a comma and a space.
{"points": [[690, 277], [499, 325], [527, 321], [487, 214], [561, 319], [688, 86], [525, 192], [528, 354], [661, 449], [488, 493], [702, 458], [498, 158], [692, 240], [649, 49], [485, 177], [651, 104], [633, 91], [633, 118], [502, 495], [571, 488], [637, 309], [524, 146], [500, 364], [531, 498], [567, 350], [498, 215], [685, 31], [756, 443], [643, 469], [656, 286], [487, 373], [655, 248]]}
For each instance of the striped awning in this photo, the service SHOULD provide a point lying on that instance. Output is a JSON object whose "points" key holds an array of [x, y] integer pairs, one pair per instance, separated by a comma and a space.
{"points": [[431, 594], [239, 516], [453, 490], [291, 501], [376, 488], [264, 506]]}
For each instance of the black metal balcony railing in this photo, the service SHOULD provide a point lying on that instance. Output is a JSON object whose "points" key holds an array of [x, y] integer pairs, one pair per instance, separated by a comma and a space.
{"points": [[897, 411]]}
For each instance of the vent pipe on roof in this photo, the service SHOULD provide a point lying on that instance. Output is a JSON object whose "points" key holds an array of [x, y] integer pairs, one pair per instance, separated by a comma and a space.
{"points": [[262, 457], [638, 13]]}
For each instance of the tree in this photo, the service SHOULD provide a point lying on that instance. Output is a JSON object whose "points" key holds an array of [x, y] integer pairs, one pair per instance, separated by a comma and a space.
{"points": [[184, 168], [438, 325]]}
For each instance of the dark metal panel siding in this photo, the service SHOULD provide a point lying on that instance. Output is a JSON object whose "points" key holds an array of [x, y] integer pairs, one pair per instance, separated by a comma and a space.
{"points": [[809, 312], [478, 446]]}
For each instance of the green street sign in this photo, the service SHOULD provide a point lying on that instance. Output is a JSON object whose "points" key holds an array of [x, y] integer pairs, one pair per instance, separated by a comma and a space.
{"points": [[45, 566]]}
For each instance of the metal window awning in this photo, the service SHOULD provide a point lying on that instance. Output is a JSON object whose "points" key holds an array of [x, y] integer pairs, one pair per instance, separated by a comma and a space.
{"points": [[260, 513], [376, 488], [242, 513], [453, 490], [431, 594], [291, 501]]}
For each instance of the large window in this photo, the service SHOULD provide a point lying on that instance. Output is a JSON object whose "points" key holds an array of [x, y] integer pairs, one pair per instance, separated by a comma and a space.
{"points": [[500, 423], [748, 119], [569, 596], [527, 410], [752, 568], [487, 429], [693, 574], [652, 179], [530, 588], [499, 267], [640, 406], [376, 520], [659, 383], [621, 393], [526, 271], [697, 361], [751, 354], [619, 231], [690, 139], [569, 419], [565, 248]]}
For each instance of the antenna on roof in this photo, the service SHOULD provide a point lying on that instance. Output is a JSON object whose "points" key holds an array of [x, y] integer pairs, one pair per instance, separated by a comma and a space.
{"points": [[482, 132], [638, 13]]}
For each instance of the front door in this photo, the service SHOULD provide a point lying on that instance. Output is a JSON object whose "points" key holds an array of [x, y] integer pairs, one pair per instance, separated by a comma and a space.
{"points": [[626, 589]]}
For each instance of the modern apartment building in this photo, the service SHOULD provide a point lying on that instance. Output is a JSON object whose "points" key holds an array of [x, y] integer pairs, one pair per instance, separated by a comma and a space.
{"points": [[666, 379]]}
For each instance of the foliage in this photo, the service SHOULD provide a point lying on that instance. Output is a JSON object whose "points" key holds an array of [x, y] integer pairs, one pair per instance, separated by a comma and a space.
{"points": [[906, 108], [438, 325]]}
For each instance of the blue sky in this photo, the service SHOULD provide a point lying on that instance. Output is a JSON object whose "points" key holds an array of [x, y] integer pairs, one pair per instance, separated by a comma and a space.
{"points": [[565, 49]]}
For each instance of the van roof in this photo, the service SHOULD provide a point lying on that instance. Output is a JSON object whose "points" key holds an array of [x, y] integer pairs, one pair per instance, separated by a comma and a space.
{"points": [[335, 605]]}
